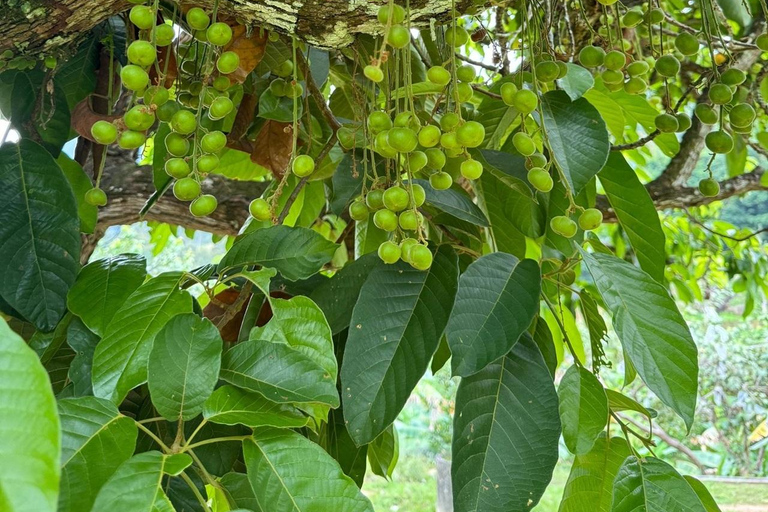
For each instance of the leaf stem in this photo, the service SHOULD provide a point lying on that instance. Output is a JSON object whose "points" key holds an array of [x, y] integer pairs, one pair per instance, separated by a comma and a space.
{"points": [[195, 491], [154, 437], [213, 440]]}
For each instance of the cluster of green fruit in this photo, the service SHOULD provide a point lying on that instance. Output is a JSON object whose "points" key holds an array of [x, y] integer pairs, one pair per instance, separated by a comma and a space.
{"points": [[22, 62], [589, 219]]}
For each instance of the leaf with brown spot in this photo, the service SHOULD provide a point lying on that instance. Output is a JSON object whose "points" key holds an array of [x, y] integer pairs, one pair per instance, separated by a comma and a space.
{"points": [[83, 117], [250, 49], [273, 146]]}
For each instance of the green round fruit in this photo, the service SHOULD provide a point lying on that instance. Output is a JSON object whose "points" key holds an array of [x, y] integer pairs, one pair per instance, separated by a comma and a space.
{"points": [[381, 145], [139, 118], [104, 132], [637, 68], [420, 257], [373, 73], [416, 161], [450, 121], [615, 60], [96, 197], [683, 122], [220, 107], [166, 111], [259, 209], [720, 94], [156, 95], [358, 211], [429, 136], [632, 18], [50, 62], [407, 119], [142, 16], [374, 199], [606, 2], [163, 35], [409, 220], [709, 187], [655, 16], [303, 166], [347, 137], [762, 42], [378, 122], [134, 78], [563, 226], [635, 85], [667, 66], [719, 142], [742, 115], [592, 56], [397, 15], [435, 158], [186, 189], [396, 198], [219, 34], [213, 142], [449, 141], [228, 62], [207, 163], [666, 123], [197, 19], [405, 248], [471, 169], [439, 75], [540, 179], [508, 91], [399, 37], [466, 73], [141, 53], [284, 69], [706, 113], [177, 168], [456, 36], [183, 122], [687, 44], [221, 83], [613, 77], [441, 180], [203, 205], [590, 219], [525, 101], [389, 252], [176, 144], [403, 140], [547, 71], [524, 144], [535, 160], [733, 77], [419, 195], [471, 134], [131, 139], [385, 219]]}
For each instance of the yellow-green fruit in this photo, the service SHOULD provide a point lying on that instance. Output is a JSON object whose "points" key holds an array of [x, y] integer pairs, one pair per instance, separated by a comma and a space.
{"points": [[668, 66], [709, 187], [547, 71], [183, 122], [456, 36], [130, 139], [466, 73], [373, 73], [259, 209], [405, 248], [435, 158], [471, 134], [450, 121], [374, 199], [429, 136], [228, 62], [525, 101], [396, 198], [96, 197], [471, 169], [389, 252], [733, 77], [186, 189], [219, 34], [720, 94], [409, 220], [441, 180], [762, 42], [141, 53], [719, 142], [303, 166], [177, 168], [203, 205], [523, 144], [635, 85], [419, 195], [591, 56], [207, 163], [590, 219], [615, 60], [563, 226], [439, 75], [683, 122], [706, 113], [416, 161], [613, 77], [134, 78], [420, 257], [358, 211], [197, 18], [403, 140], [687, 44], [399, 37], [397, 15], [666, 123], [631, 18], [142, 16], [637, 68], [742, 115], [540, 179], [139, 118], [508, 91], [385, 219], [104, 132]]}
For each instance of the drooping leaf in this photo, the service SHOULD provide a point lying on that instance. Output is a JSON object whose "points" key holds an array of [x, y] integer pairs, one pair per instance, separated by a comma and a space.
{"points": [[335, 439], [651, 329], [497, 298], [395, 328], [590, 484], [41, 104], [650, 485], [39, 234], [383, 453], [576, 81], [96, 439], [506, 430], [77, 75], [239, 490], [454, 202], [120, 360], [293, 474], [583, 409], [229, 405], [29, 430], [619, 402], [183, 366], [103, 286], [80, 184], [135, 486], [577, 137], [703, 493], [296, 253], [83, 341], [636, 213]]}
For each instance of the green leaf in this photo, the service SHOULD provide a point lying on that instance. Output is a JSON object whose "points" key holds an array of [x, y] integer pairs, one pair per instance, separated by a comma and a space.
{"points": [[703, 493], [237, 165], [293, 474], [83, 342], [95, 440], [348, 179], [497, 299], [176, 463], [610, 111], [296, 253], [80, 184], [120, 360], [577, 137], [383, 453], [335, 439], [636, 213], [737, 11], [103, 286], [368, 237], [229, 405], [183, 366], [239, 491], [496, 116], [135, 486], [278, 108], [576, 81], [77, 75], [619, 402], [396, 327], [279, 372], [652, 485], [590, 484], [32, 96], [39, 234], [160, 178], [29, 430], [583, 409], [651, 329], [506, 431], [454, 201], [736, 159]]}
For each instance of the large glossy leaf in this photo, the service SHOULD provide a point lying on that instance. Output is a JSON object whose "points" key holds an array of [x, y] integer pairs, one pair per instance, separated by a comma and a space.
{"points": [[497, 299], [590, 484], [183, 366], [505, 434], [651, 485], [120, 359], [710, 505], [651, 329], [335, 439], [292, 474], [29, 429], [103, 286], [577, 137], [636, 213], [83, 342], [396, 327], [229, 405], [39, 234], [240, 492], [135, 486], [95, 440], [583, 409], [455, 202], [296, 253]]}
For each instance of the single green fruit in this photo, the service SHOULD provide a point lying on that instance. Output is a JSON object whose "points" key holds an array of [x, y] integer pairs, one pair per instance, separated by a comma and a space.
{"points": [[385, 219], [142, 16], [535, 160], [134, 78], [613, 77], [441, 180], [389, 252], [407, 119], [131, 139], [615, 60], [450, 121], [525, 101], [465, 92], [563, 226], [719, 142], [221, 83], [655, 16], [683, 122], [203, 205], [687, 44], [742, 115], [606, 2], [439, 75], [399, 37], [396, 198], [207, 163], [523, 144], [471, 169], [96, 197], [419, 195], [141, 53], [590, 219], [632, 18], [405, 248], [635, 85], [375, 199], [762, 42], [176, 144], [186, 189], [471, 134], [667, 66], [592, 56], [183, 122], [381, 145], [420, 257], [435, 158], [139, 118], [429, 136], [220, 107], [104, 132], [358, 211], [346, 136], [409, 220], [547, 71], [166, 111], [197, 19], [706, 113], [508, 91], [228, 62], [449, 141], [373, 73], [219, 34], [456, 36], [403, 140], [397, 15], [213, 142], [720, 94], [156, 95], [540, 179], [733, 77], [177, 168], [709, 187], [416, 161], [378, 122], [638, 68], [303, 166], [163, 34], [666, 123], [466, 73], [259, 209]]}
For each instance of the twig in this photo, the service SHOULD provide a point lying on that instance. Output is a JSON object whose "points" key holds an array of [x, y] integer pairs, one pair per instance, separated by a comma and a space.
{"points": [[638, 143], [723, 235], [486, 92], [489, 67]]}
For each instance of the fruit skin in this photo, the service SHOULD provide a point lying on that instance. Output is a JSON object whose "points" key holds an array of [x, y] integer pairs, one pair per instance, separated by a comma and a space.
{"points": [[435, 158], [409, 220], [207, 163], [523, 144], [419, 195], [396, 198], [399, 37], [219, 34], [668, 66], [104, 132], [142, 16], [540, 179], [683, 122], [441, 180], [303, 166], [203, 205], [141, 53], [197, 18], [358, 210], [632, 18], [166, 111], [221, 83], [439, 75], [466, 73], [563, 226], [635, 85], [733, 76], [719, 142], [471, 169], [666, 123], [373, 73], [471, 134], [134, 78], [420, 257], [403, 140], [375, 199], [615, 60], [535, 160], [183, 122], [591, 56], [450, 121], [612, 77], [687, 44], [456, 36], [378, 122], [547, 71], [525, 101], [259, 209], [381, 145], [762, 42], [429, 136], [176, 144], [130, 139], [709, 187], [163, 34], [637, 68], [416, 161], [590, 219], [284, 69], [405, 248], [720, 94], [508, 91], [398, 14], [96, 197], [186, 189], [228, 62], [156, 96], [389, 252], [385, 219], [177, 168], [213, 142], [742, 115], [139, 118], [449, 140], [220, 107], [407, 119], [706, 113]]}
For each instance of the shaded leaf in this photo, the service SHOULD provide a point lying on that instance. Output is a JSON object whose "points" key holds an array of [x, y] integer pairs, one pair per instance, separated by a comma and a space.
{"points": [[229, 405], [80, 184], [583, 409], [383, 453], [454, 201], [135, 486], [650, 485]]}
